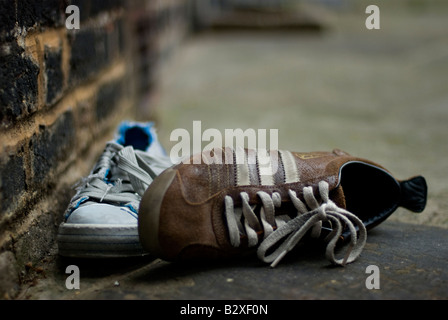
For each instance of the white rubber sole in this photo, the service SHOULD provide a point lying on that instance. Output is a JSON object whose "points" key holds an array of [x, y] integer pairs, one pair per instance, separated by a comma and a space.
{"points": [[99, 241]]}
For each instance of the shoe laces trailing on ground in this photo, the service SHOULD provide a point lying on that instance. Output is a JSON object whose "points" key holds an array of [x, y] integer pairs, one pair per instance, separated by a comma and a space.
{"points": [[283, 233], [101, 219], [206, 208]]}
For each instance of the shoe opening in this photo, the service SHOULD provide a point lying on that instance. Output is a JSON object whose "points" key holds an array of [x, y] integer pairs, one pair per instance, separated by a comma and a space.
{"points": [[370, 192], [137, 138]]}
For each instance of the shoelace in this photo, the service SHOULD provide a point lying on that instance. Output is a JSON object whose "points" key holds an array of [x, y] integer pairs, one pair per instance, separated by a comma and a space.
{"points": [[288, 232], [131, 175]]}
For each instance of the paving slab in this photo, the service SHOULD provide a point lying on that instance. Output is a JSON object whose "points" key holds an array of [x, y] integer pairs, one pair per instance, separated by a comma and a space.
{"points": [[411, 263]]}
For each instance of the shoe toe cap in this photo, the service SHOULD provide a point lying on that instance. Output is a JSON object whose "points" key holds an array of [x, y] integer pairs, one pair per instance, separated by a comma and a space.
{"points": [[99, 213]]}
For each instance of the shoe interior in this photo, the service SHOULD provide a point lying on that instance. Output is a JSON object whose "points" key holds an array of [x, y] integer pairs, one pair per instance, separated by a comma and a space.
{"points": [[370, 192], [137, 138]]}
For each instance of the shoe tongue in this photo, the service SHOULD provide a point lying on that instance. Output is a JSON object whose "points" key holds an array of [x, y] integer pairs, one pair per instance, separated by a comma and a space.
{"points": [[338, 197]]}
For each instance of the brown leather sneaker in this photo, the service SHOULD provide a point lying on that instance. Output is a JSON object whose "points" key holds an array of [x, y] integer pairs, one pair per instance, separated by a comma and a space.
{"points": [[237, 201]]}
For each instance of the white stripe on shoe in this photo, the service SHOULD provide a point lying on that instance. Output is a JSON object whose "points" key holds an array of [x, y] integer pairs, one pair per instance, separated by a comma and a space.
{"points": [[265, 168], [242, 167], [290, 167], [268, 164]]}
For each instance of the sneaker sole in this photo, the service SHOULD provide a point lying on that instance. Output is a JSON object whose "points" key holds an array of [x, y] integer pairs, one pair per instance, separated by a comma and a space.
{"points": [[149, 213], [98, 241]]}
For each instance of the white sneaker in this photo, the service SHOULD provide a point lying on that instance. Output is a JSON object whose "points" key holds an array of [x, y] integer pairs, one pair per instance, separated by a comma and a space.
{"points": [[101, 219]]}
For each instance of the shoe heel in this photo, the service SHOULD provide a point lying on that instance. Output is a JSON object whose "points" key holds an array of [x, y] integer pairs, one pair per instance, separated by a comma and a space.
{"points": [[149, 212]]}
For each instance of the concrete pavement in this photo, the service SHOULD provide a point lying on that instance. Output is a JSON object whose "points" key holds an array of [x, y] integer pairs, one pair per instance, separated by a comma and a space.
{"points": [[411, 261]]}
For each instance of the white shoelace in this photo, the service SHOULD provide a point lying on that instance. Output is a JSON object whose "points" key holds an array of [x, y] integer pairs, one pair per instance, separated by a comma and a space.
{"points": [[130, 175], [310, 216]]}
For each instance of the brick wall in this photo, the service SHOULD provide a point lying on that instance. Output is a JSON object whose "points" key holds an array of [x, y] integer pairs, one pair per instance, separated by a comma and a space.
{"points": [[62, 94]]}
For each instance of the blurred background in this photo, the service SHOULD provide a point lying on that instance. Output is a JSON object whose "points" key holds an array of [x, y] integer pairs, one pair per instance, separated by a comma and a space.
{"points": [[312, 70]]}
